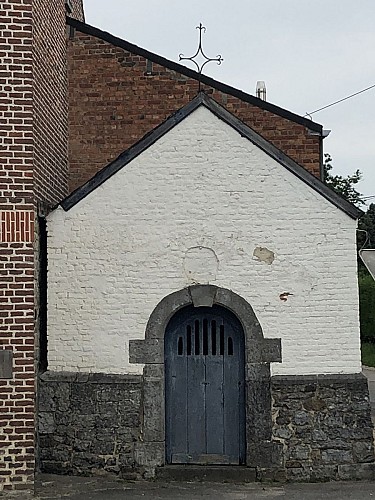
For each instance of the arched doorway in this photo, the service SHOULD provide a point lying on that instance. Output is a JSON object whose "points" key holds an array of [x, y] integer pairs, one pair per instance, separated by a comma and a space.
{"points": [[258, 352], [205, 387]]}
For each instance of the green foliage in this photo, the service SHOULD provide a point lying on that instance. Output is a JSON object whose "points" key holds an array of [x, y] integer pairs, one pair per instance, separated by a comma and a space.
{"points": [[367, 223], [366, 234], [368, 354], [343, 185], [367, 306], [365, 237]]}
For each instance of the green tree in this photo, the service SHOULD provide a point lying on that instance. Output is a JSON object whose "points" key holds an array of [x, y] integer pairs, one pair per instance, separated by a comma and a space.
{"points": [[343, 185], [367, 223], [367, 306], [366, 236]]}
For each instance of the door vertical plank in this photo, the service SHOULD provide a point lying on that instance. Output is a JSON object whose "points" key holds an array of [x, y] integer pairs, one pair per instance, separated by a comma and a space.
{"points": [[231, 401], [179, 436], [214, 392], [214, 404], [234, 428], [196, 406]]}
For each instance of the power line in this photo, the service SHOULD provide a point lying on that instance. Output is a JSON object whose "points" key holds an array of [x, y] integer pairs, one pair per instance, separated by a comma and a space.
{"points": [[340, 100]]}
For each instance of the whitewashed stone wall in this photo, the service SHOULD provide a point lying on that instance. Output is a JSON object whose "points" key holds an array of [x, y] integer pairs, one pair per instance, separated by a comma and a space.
{"points": [[194, 208]]}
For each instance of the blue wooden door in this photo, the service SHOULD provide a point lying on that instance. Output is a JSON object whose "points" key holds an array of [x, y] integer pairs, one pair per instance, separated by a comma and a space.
{"points": [[205, 391]]}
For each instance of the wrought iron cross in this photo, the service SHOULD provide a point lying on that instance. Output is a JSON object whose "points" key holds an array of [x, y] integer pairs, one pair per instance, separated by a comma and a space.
{"points": [[217, 59]]}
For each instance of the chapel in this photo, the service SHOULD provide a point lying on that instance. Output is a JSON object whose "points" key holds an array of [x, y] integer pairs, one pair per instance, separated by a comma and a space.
{"points": [[178, 285]]}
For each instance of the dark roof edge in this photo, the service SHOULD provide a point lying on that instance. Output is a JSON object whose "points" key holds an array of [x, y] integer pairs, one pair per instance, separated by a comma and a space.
{"points": [[283, 159], [232, 121], [118, 42], [129, 155]]}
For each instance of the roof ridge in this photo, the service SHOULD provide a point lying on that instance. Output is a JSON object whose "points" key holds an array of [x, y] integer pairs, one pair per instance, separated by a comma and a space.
{"points": [[162, 61]]}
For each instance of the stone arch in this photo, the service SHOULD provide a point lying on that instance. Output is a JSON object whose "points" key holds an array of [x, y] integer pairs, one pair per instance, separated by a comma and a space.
{"points": [[259, 352]]}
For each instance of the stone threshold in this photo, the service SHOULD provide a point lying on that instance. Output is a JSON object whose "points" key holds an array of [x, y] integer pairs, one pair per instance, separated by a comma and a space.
{"points": [[207, 473]]}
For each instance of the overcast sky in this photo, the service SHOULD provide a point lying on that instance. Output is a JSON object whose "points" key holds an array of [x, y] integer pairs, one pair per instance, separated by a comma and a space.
{"points": [[309, 52]]}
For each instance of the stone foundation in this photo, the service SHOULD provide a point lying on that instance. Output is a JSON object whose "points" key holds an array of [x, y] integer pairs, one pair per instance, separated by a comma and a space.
{"points": [[321, 427], [89, 422], [324, 425]]}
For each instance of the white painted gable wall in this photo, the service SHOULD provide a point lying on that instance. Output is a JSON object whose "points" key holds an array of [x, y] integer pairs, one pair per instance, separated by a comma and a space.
{"points": [[132, 241]]}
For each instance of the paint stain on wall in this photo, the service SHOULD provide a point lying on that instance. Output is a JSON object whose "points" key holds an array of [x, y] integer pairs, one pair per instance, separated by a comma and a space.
{"points": [[284, 296], [262, 254]]}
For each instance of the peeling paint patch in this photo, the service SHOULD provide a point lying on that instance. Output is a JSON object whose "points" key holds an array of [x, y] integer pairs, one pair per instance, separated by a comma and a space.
{"points": [[262, 254], [284, 296]]}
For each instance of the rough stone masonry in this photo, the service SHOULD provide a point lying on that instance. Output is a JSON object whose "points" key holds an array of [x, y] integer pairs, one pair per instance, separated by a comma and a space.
{"points": [[93, 422]]}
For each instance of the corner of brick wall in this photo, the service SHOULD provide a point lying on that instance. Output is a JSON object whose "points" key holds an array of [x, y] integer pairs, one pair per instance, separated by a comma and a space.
{"points": [[33, 172], [50, 101], [16, 247], [78, 10]]}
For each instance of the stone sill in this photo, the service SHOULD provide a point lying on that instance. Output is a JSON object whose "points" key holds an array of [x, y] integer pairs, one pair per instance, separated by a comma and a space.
{"points": [[92, 378], [323, 379]]}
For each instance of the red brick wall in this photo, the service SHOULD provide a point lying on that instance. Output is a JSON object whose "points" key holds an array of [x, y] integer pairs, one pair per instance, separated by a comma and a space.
{"points": [[114, 101], [50, 101], [16, 244], [77, 12], [33, 176]]}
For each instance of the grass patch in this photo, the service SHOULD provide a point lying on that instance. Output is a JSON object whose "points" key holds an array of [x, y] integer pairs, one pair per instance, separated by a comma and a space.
{"points": [[368, 354]]}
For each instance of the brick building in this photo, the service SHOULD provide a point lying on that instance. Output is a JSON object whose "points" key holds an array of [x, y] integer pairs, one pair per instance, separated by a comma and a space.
{"points": [[73, 98], [34, 176]]}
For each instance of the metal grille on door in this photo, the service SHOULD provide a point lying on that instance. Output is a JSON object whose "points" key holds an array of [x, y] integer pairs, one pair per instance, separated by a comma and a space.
{"points": [[205, 396], [213, 341]]}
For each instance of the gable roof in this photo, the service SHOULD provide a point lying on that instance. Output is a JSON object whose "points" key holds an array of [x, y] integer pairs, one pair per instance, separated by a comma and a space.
{"points": [[227, 89], [203, 100]]}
